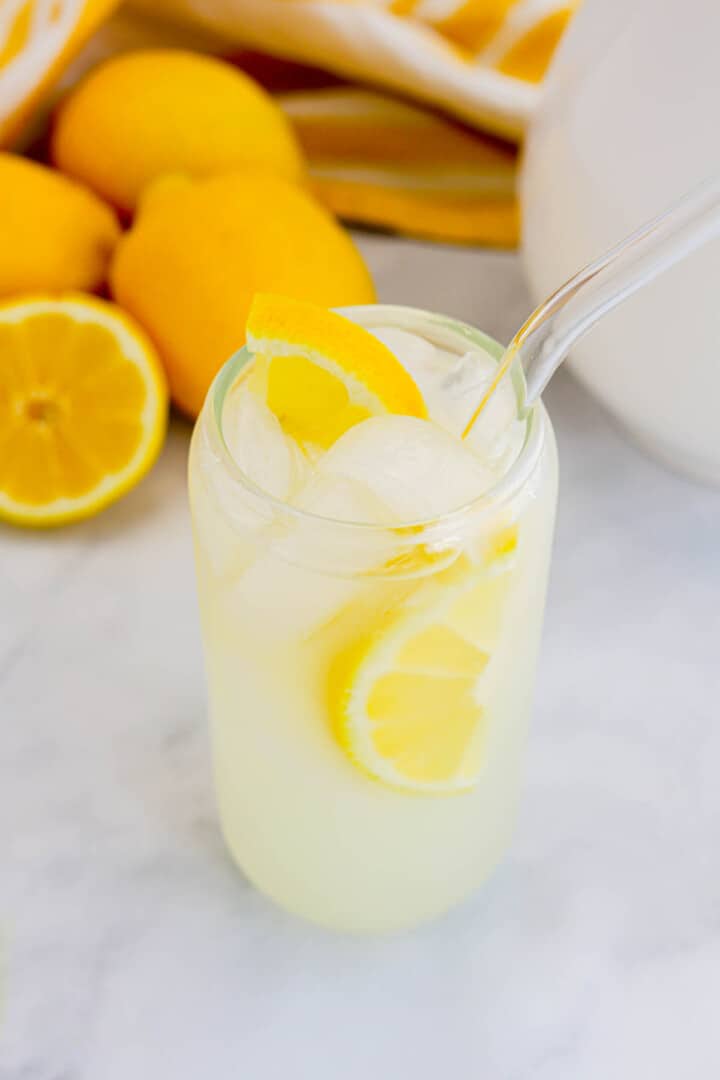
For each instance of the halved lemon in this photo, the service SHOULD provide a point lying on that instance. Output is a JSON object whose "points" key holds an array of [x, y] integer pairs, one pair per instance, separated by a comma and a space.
{"points": [[83, 408], [325, 373], [407, 701]]}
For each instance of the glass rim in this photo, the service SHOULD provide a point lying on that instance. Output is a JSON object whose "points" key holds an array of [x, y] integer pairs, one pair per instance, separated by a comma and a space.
{"points": [[397, 316]]}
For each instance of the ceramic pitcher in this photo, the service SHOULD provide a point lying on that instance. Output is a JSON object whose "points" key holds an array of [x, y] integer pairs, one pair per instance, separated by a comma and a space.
{"points": [[628, 124]]}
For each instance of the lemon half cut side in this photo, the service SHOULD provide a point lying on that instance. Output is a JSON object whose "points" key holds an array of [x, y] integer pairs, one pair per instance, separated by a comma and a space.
{"points": [[83, 408]]}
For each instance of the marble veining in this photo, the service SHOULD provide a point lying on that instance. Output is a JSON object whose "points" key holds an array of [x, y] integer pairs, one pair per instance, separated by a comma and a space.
{"points": [[131, 948]]}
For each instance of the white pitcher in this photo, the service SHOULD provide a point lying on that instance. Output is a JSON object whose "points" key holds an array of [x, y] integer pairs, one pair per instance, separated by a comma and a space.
{"points": [[630, 121]]}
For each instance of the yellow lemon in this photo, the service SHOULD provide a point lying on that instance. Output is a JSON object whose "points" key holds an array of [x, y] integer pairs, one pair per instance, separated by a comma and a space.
{"points": [[54, 234], [325, 373], [408, 698], [198, 253], [144, 114], [83, 408]]}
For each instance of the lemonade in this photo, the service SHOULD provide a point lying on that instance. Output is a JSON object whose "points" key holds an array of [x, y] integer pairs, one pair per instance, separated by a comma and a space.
{"points": [[371, 591]]}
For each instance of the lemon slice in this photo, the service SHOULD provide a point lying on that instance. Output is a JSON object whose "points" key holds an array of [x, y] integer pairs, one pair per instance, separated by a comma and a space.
{"points": [[407, 699], [83, 408], [325, 373]]}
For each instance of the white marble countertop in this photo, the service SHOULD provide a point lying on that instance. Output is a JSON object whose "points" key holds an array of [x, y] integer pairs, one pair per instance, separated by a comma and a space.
{"points": [[133, 949]]}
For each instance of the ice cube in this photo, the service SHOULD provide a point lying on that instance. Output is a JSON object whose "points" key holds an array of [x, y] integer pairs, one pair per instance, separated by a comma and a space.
{"points": [[343, 498], [349, 551], [258, 444], [225, 525], [427, 364], [497, 434], [312, 571], [414, 467], [453, 385], [231, 521], [282, 601]]}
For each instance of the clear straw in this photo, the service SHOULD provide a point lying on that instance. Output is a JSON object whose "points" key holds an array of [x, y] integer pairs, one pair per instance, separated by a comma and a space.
{"points": [[545, 339]]}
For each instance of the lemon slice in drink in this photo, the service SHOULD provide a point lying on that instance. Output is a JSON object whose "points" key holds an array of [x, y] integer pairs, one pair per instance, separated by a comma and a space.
{"points": [[325, 373], [408, 700], [83, 408]]}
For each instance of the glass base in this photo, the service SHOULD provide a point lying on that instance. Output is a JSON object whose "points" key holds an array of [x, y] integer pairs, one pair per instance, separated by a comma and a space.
{"points": [[369, 924]]}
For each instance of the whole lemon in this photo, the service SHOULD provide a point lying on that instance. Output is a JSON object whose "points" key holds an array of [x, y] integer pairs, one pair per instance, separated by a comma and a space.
{"points": [[147, 113], [54, 234], [198, 252]]}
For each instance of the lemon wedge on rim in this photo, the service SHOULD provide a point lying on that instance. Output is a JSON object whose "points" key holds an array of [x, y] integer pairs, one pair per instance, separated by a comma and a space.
{"points": [[83, 408], [325, 373]]}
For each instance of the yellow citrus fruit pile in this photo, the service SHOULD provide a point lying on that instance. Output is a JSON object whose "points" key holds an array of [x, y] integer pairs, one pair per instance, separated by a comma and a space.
{"points": [[208, 179]]}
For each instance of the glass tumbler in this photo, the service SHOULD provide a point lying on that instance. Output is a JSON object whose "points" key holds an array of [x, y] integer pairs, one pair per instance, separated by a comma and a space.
{"points": [[304, 616]]}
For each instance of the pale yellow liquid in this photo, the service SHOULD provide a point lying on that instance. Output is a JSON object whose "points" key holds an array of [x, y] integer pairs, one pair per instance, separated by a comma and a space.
{"points": [[304, 823]]}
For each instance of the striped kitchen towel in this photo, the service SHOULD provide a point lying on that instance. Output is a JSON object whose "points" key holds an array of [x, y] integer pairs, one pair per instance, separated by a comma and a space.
{"points": [[480, 60]]}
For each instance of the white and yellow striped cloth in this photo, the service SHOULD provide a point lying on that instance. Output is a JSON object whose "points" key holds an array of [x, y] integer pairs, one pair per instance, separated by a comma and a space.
{"points": [[38, 38], [480, 60], [380, 161], [414, 147]]}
